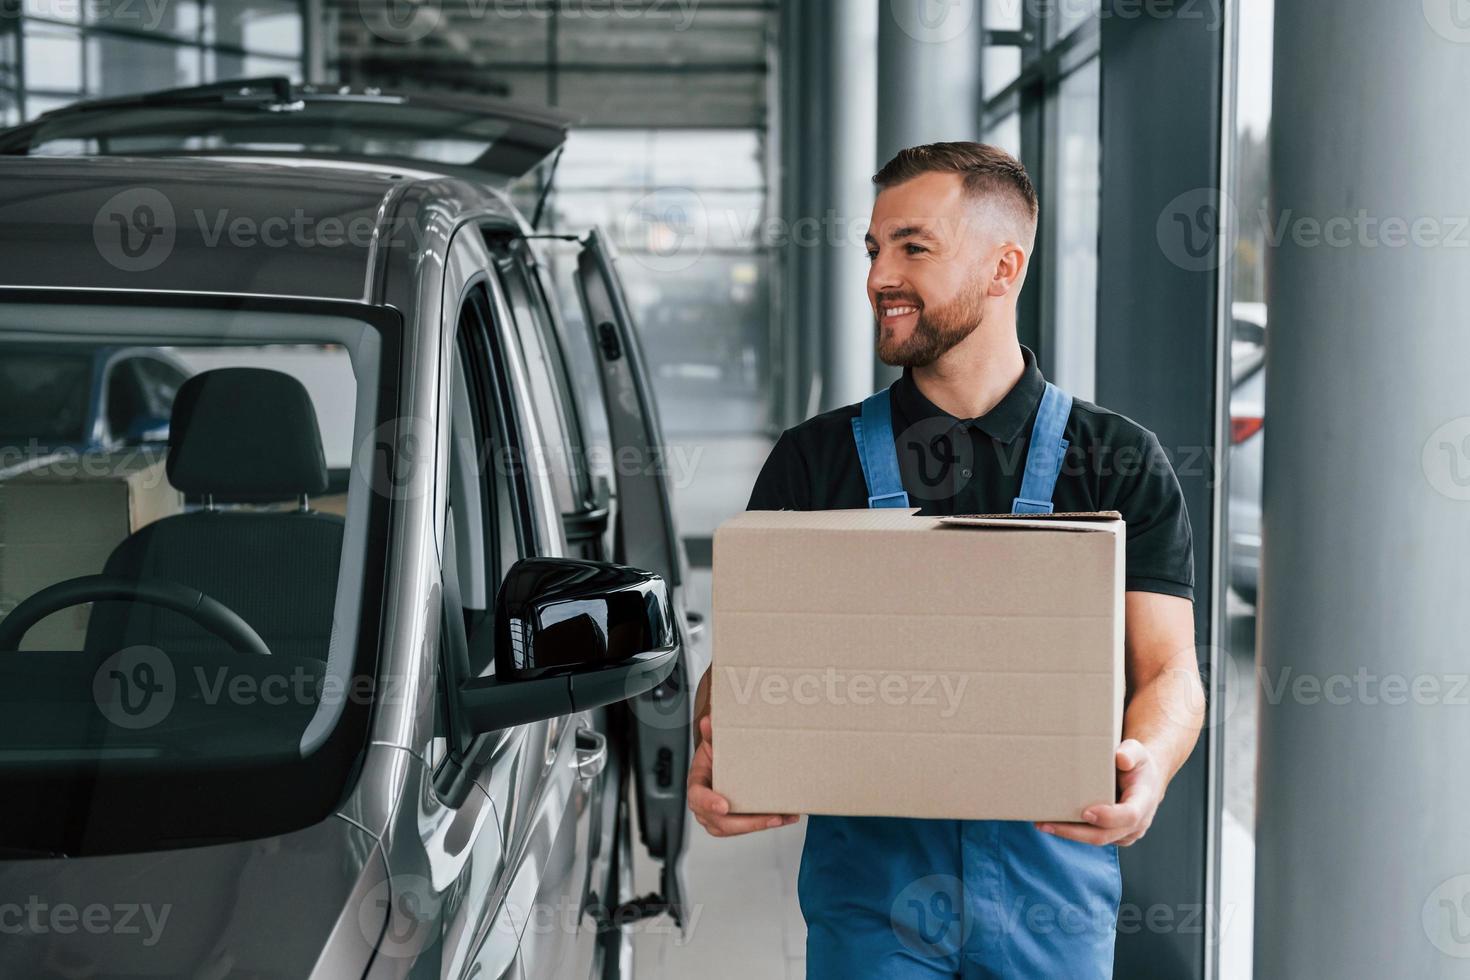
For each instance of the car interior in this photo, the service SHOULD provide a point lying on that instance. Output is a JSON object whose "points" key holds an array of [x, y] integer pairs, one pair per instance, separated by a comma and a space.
{"points": [[276, 568], [204, 559]]}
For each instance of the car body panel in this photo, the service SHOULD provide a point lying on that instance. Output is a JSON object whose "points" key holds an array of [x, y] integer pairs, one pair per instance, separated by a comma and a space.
{"points": [[203, 911]]}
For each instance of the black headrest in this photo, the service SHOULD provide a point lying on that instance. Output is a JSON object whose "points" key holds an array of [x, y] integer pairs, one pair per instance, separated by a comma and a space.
{"points": [[245, 434]]}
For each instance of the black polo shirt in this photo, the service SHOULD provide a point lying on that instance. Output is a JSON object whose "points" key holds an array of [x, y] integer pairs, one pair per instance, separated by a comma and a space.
{"points": [[975, 466]]}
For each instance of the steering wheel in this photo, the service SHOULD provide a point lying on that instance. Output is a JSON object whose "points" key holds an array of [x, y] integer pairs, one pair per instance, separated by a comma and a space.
{"points": [[207, 613]]}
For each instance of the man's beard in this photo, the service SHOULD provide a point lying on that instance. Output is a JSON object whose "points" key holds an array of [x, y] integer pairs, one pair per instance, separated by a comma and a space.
{"points": [[937, 330]]}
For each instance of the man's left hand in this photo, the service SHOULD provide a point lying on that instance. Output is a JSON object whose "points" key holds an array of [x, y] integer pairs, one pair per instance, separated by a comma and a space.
{"points": [[1141, 782]]}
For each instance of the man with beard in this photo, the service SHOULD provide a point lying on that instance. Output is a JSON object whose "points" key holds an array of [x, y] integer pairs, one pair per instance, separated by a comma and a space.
{"points": [[973, 427]]}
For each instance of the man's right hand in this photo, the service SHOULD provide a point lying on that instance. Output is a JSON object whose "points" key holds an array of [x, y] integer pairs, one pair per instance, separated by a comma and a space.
{"points": [[710, 808]]}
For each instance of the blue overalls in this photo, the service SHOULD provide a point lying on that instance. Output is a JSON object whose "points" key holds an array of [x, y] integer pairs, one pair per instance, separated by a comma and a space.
{"points": [[896, 897]]}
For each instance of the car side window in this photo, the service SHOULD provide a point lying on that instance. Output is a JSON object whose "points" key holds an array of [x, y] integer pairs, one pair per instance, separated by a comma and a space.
{"points": [[485, 500], [488, 524], [126, 403], [550, 390], [160, 382]]}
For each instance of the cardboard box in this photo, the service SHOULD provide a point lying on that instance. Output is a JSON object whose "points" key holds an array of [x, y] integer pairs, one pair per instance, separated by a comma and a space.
{"points": [[878, 663], [63, 520]]}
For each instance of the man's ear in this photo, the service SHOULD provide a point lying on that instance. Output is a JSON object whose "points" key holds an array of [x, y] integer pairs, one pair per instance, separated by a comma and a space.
{"points": [[1009, 270]]}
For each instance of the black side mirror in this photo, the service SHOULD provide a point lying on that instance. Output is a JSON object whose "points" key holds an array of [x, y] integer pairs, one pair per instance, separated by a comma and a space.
{"points": [[571, 635]]}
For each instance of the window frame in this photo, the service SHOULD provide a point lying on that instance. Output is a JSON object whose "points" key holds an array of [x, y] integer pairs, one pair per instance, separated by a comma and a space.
{"points": [[489, 389], [1034, 96]]}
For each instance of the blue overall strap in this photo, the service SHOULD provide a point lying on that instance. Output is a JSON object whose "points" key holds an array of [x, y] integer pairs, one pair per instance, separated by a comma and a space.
{"points": [[1044, 458], [873, 433]]}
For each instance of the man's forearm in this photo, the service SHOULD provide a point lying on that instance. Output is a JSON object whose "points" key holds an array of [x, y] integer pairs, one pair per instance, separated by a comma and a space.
{"points": [[1166, 713]]}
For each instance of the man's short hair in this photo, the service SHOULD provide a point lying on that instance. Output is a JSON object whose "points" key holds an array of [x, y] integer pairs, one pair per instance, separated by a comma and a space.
{"points": [[988, 171]]}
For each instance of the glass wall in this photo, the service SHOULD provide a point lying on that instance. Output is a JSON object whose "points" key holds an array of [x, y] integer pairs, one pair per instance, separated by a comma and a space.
{"points": [[1041, 95], [687, 211], [1249, 297], [53, 52]]}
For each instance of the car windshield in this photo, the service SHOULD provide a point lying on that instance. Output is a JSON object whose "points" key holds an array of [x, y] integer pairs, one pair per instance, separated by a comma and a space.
{"points": [[184, 614]]}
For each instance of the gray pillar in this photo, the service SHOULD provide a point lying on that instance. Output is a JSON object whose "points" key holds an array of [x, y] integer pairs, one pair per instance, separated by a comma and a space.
{"points": [[1158, 362], [852, 91], [1363, 849], [928, 83], [829, 136], [318, 31]]}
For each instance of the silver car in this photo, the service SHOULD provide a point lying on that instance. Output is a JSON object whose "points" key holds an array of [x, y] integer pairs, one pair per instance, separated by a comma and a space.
{"points": [[1247, 437], [368, 669]]}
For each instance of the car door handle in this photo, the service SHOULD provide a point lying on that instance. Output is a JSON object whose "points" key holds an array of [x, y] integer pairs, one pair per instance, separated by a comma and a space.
{"points": [[591, 756]]}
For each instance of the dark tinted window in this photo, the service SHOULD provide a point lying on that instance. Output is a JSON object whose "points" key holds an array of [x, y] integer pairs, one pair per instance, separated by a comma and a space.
{"points": [[161, 382], [126, 406], [43, 397]]}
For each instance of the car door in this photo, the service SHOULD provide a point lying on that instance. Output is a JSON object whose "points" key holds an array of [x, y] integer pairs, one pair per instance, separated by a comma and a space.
{"points": [[644, 535], [546, 792]]}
